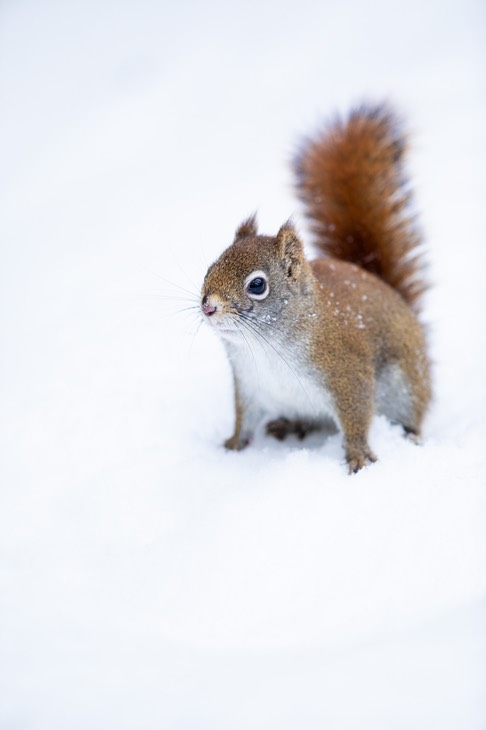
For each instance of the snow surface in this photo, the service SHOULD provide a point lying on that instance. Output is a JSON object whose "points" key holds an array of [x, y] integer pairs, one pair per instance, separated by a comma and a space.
{"points": [[148, 579]]}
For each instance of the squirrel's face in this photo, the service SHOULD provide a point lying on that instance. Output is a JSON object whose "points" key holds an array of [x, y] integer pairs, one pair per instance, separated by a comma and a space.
{"points": [[246, 291]]}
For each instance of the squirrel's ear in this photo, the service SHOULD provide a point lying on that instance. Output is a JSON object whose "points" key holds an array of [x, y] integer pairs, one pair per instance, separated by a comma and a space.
{"points": [[289, 248], [247, 228]]}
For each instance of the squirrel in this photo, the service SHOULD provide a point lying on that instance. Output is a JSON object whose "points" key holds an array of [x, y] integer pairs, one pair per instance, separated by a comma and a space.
{"points": [[336, 338]]}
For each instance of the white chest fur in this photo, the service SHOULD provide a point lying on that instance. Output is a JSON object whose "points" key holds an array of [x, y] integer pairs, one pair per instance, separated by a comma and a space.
{"points": [[278, 381]]}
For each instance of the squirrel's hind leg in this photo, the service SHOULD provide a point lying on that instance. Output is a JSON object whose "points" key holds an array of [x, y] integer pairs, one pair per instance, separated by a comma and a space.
{"points": [[280, 428], [412, 435]]}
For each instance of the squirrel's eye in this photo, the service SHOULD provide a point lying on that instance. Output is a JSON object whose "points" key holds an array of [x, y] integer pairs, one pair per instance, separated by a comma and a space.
{"points": [[256, 285]]}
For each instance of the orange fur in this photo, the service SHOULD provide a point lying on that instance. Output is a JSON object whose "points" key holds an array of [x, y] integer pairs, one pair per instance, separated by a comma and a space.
{"points": [[352, 183]]}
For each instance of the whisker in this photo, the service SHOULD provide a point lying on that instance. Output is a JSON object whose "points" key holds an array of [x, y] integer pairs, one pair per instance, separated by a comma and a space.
{"points": [[180, 292], [193, 339], [264, 341], [178, 263], [240, 326], [181, 288], [168, 298], [189, 309], [167, 315]]}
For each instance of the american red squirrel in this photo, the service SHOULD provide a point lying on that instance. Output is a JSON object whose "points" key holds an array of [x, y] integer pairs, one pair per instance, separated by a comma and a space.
{"points": [[336, 338]]}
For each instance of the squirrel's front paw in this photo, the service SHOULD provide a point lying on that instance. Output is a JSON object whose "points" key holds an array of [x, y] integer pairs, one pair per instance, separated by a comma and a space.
{"points": [[358, 459], [236, 443]]}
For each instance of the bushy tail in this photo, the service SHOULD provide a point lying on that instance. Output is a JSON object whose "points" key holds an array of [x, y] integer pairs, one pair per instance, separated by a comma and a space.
{"points": [[351, 180]]}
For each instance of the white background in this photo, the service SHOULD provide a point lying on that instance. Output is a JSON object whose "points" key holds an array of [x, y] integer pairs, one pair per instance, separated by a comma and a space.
{"points": [[147, 578]]}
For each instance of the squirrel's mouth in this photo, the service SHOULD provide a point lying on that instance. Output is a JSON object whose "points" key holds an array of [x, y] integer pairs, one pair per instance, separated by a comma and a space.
{"points": [[225, 329], [228, 331], [219, 320]]}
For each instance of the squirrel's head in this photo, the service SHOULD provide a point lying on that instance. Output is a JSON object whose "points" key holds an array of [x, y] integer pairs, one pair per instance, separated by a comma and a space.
{"points": [[254, 282]]}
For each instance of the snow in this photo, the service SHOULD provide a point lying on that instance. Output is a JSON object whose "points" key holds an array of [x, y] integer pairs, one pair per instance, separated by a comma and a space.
{"points": [[148, 578]]}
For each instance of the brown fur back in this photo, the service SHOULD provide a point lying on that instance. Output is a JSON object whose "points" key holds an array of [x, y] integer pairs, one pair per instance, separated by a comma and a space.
{"points": [[351, 180]]}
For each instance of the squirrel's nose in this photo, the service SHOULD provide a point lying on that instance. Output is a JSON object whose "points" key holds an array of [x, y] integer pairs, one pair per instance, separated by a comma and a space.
{"points": [[207, 308]]}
